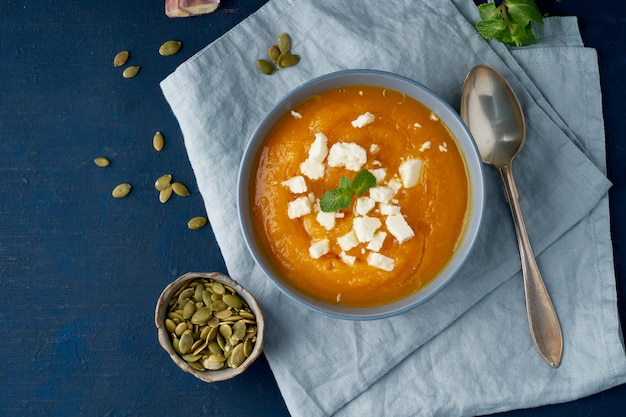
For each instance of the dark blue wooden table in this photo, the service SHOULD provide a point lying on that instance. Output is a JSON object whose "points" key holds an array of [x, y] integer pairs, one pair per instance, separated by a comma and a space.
{"points": [[80, 272]]}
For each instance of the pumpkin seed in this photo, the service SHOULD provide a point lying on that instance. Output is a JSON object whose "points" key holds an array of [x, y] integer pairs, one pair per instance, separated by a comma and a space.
{"points": [[131, 71], [247, 347], [218, 305], [188, 311], [180, 189], [186, 293], [197, 223], [237, 356], [239, 330], [287, 60], [158, 141], [170, 326], [197, 366], [284, 43], [102, 162], [218, 288], [190, 357], [212, 366], [121, 58], [232, 300], [273, 52], [224, 314], [186, 340], [121, 190], [165, 195], [226, 331], [201, 316], [265, 66], [163, 182], [170, 48]]}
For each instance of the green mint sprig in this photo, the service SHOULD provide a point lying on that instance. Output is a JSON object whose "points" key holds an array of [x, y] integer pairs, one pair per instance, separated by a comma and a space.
{"points": [[509, 22], [340, 198]]}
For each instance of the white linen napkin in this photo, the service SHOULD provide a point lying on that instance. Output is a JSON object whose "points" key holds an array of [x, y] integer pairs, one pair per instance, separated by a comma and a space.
{"points": [[468, 350]]}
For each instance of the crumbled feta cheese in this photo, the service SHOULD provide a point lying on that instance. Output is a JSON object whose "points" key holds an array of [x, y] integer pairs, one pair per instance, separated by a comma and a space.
{"points": [[347, 259], [296, 185], [299, 207], [381, 193], [443, 147], [313, 167], [374, 149], [388, 209], [377, 242], [434, 117], [338, 297], [417, 125], [296, 114], [327, 220], [380, 261], [364, 205], [363, 120], [348, 241], [365, 227], [376, 163], [410, 172], [379, 173], [348, 155], [395, 184], [313, 170], [319, 248], [426, 145], [319, 148], [399, 228]]}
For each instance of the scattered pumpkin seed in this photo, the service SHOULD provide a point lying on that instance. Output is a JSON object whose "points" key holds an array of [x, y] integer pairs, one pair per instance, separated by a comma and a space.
{"points": [[287, 60], [102, 162], [121, 190], [121, 58], [284, 43], [170, 48], [158, 141], [165, 194], [226, 343], [180, 189], [273, 52], [266, 67], [197, 222], [163, 182], [131, 71]]}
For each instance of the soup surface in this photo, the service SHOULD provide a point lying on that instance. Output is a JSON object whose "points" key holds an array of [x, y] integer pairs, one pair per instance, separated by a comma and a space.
{"points": [[391, 240]]}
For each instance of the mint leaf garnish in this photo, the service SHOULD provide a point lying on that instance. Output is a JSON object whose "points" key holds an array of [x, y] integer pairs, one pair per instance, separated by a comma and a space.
{"points": [[363, 181], [335, 200], [510, 22]]}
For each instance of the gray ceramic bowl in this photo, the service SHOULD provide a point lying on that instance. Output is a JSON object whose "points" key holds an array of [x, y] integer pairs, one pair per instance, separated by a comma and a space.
{"points": [[411, 89], [164, 337]]}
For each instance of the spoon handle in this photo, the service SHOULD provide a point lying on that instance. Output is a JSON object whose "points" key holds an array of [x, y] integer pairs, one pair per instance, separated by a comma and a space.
{"points": [[542, 319]]}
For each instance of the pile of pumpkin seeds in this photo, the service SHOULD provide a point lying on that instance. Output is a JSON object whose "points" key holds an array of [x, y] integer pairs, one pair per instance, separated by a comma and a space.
{"points": [[211, 327], [280, 55]]}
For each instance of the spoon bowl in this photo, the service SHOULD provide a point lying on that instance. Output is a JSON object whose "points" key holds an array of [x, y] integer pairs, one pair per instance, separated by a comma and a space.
{"points": [[493, 114]]}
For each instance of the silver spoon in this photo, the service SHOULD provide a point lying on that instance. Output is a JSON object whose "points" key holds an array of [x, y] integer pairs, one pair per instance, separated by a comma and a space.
{"points": [[493, 114]]}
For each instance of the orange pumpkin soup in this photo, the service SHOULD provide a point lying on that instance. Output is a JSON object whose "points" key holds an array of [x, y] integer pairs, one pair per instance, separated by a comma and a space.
{"points": [[390, 241]]}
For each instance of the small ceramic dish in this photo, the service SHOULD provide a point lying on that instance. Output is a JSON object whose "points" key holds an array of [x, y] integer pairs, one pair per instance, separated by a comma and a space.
{"points": [[221, 330]]}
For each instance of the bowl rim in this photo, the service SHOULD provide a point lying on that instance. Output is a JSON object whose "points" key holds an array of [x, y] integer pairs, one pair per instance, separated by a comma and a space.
{"points": [[166, 343], [459, 131]]}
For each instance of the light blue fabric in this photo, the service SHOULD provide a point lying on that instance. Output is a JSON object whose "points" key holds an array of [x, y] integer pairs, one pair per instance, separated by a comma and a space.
{"points": [[467, 351]]}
